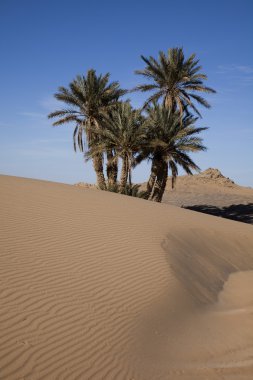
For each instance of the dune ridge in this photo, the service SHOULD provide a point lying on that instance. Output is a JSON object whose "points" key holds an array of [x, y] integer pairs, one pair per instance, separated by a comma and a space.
{"points": [[209, 192], [95, 285]]}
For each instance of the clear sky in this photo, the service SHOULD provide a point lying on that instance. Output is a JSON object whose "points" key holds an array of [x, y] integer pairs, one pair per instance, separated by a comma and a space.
{"points": [[45, 44]]}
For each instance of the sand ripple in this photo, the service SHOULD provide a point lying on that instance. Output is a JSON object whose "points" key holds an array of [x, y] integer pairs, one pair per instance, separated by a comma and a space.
{"points": [[95, 285]]}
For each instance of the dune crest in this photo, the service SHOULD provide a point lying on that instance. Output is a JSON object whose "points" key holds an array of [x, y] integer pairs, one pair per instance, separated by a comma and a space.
{"points": [[95, 285]]}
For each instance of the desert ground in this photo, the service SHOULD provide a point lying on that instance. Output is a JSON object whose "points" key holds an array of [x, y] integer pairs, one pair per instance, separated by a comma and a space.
{"points": [[96, 285], [212, 193]]}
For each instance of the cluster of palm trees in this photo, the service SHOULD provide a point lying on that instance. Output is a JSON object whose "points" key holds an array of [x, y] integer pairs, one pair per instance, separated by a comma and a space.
{"points": [[163, 130]]}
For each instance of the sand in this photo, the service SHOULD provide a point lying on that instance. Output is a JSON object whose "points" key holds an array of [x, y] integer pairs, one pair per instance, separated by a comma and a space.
{"points": [[96, 285], [212, 193], [209, 192]]}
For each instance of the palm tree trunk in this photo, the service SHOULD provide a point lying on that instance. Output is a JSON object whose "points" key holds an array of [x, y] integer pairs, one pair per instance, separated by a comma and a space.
{"points": [[98, 158], [130, 176], [124, 174], [111, 169], [130, 171], [161, 180], [164, 182], [98, 167], [152, 178]]}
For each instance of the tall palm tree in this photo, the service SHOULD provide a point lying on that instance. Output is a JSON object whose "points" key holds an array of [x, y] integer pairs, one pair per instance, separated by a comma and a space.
{"points": [[168, 143], [89, 98], [123, 134], [175, 80]]}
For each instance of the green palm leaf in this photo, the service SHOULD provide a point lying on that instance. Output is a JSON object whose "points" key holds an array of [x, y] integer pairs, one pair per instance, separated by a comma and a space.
{"points": [[173, 78]]}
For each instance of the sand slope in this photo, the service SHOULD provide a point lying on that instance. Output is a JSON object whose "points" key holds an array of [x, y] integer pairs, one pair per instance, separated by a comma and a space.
{"points": [[95, 285], [209, 192]]}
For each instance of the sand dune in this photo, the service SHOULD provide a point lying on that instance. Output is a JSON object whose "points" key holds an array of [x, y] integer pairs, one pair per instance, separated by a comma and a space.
{"points": [[96, 285]]}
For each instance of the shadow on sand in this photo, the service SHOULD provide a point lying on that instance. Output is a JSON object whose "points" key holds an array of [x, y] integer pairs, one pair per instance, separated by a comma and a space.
{"points": [[240, 212]]}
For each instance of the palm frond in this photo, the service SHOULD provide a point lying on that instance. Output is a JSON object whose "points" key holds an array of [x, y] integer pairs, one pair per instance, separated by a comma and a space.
{"points": [[172, 77]]}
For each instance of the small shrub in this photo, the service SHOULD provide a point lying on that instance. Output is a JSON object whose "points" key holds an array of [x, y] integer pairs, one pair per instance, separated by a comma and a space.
{"points": [[132, 191]]}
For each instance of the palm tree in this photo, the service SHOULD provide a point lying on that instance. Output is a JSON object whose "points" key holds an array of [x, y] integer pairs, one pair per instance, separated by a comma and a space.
{"points": [[89, 98], [168, 142], [175, 80], [123, 134]]}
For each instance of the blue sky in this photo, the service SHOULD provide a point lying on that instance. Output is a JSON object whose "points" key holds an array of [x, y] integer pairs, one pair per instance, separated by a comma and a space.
{"points": [[45, 44]]}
